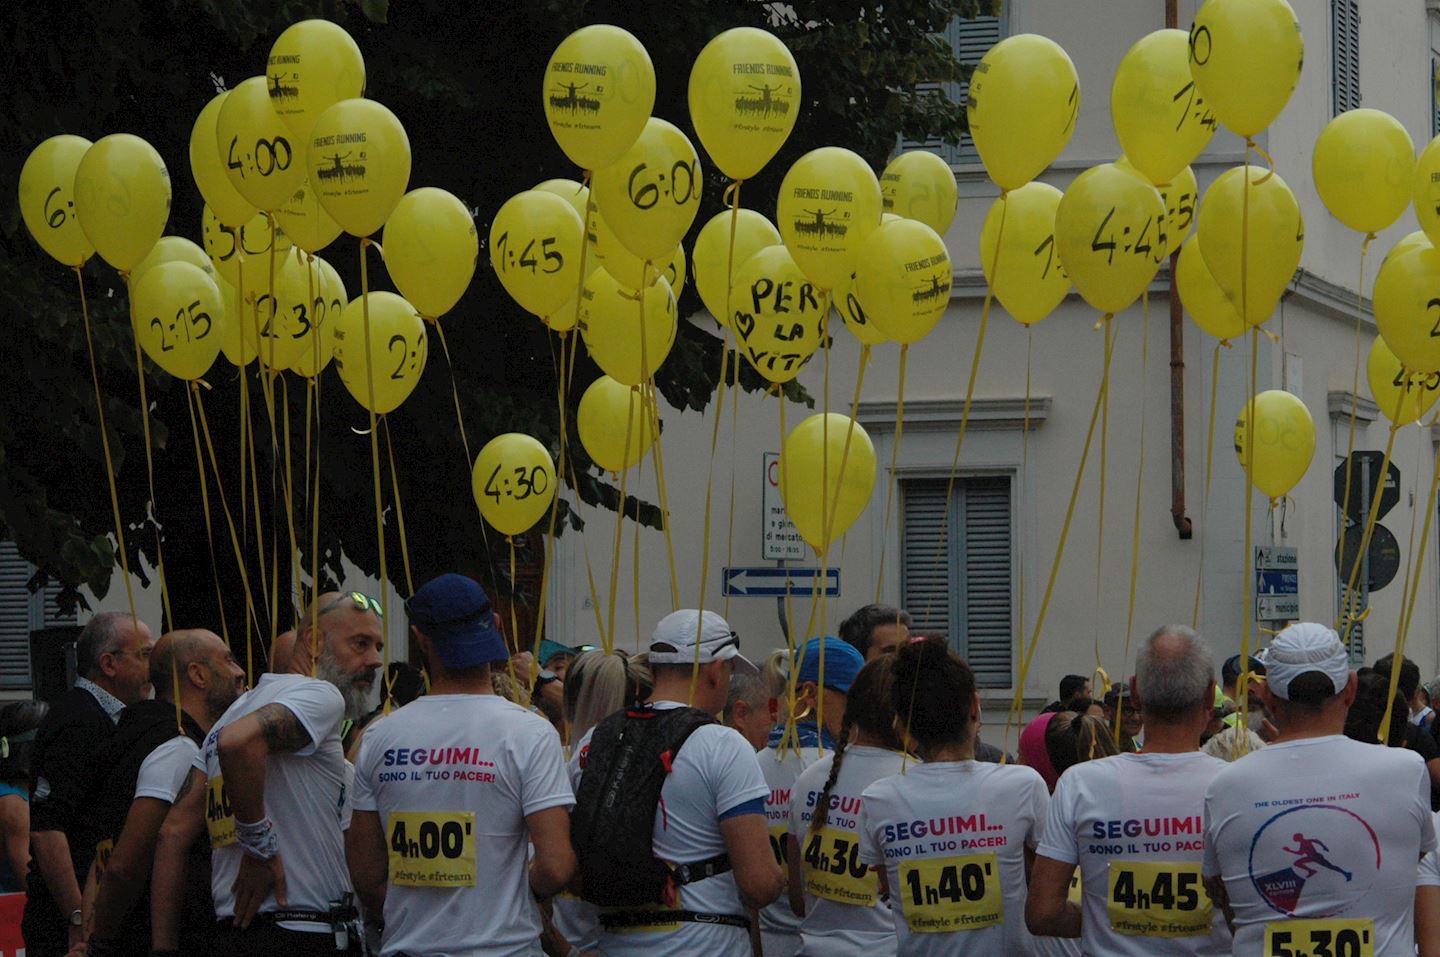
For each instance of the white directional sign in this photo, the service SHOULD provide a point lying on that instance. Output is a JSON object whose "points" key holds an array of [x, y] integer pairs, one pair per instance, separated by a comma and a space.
{"points": [[775, 582], [782, 542]]}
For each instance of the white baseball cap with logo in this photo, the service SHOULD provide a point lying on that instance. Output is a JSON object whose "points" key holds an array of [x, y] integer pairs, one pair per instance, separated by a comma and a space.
{"points": [[1302, 648], [679, 633]]}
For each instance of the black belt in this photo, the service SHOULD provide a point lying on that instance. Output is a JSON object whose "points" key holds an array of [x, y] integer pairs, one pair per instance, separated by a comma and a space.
{"points": [[623, 920], [699, 870], [327, 917]]}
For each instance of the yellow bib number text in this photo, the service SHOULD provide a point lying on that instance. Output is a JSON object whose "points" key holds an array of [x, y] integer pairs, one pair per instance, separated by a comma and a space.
{"points": [[1320, 938], [833, 869], [947, 894], [432, 848], [219, 818], [1158, 899]]}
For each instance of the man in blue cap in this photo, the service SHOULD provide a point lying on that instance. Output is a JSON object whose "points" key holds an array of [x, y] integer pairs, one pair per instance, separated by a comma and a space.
{"points": [[450, 790]]}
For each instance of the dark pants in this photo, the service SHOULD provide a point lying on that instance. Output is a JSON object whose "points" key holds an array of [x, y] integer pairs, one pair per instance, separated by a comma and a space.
{"points": [[265, 939], [45, 929]]}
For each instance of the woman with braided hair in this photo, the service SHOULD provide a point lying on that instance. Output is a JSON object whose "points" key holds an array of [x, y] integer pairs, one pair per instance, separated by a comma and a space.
{"points": [[836, 896]]}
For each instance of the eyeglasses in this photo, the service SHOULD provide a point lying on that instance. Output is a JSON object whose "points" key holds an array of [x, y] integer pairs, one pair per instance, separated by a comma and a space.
{"points": [[362, 602]]}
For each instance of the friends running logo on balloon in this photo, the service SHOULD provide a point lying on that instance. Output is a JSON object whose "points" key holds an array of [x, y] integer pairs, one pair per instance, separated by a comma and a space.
{"points": [[1319, 857]]}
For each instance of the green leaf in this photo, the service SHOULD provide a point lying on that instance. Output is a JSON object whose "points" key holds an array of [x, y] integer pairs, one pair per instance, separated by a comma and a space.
{"points": [[377, 11]]}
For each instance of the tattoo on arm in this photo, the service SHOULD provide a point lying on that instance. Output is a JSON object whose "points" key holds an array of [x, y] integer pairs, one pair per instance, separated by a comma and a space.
{"points": [[281, 729], [185, 786]]}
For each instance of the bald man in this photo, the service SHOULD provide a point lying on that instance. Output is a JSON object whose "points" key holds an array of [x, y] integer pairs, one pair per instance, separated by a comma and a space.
{"points": [[144, 767]]}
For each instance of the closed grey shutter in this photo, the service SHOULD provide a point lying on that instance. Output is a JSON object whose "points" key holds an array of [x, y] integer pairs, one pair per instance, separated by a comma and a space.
{"points": [[14, 618], [1434, 94], [971, 40], [1345, 54], [956, 570]]}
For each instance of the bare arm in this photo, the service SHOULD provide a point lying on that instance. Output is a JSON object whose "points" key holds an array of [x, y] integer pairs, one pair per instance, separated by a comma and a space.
{"points": [[183, 825], [52, 855], [796, 884], [1048, 911], [554, 862], [128, 873], [15, 825], [1427, 921], [369, 866], [757, 876]]}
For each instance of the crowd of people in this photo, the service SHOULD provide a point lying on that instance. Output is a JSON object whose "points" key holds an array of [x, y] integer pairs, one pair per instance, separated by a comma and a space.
{"points": [[833, 801]]}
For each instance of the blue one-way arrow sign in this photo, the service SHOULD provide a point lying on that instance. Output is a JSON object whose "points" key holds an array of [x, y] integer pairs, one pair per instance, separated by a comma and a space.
{"points": [[764, 582]]}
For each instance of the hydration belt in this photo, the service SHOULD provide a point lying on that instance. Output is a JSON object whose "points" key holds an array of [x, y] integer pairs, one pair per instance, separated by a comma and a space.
{"points": [[341, 918], [645, 918]]}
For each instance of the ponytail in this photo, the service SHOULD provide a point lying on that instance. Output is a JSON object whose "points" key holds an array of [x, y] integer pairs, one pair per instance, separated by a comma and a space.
{"points": [[868, 708], [932, 691]]}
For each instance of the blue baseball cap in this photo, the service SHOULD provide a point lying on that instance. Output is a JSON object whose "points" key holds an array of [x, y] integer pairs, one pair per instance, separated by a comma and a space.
{"points": [[454, 612], [842, 663]]}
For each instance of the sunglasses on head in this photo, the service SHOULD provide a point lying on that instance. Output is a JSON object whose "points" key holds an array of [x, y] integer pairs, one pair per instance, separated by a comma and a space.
{"points": [[361, 601]]}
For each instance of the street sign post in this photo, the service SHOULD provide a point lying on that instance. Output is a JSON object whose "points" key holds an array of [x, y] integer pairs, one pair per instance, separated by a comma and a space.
{"points": [[1277, 583], [763, 582], [781, 541]]}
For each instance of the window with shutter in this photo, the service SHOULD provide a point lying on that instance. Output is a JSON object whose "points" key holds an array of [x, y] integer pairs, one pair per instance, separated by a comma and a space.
{"points": [[22, 612], [955, 578], [1345, 54], [1434, 93], [971, 40]]}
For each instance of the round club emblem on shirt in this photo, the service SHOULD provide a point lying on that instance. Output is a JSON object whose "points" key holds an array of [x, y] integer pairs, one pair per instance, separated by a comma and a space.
{"points": [[1315, 859]]}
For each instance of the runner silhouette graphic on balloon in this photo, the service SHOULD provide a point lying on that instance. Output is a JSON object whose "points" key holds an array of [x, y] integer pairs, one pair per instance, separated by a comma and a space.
{"points": [[1306, 857]]}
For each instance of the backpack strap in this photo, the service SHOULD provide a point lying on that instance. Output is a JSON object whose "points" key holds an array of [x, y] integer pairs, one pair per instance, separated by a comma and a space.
{"points": [[630, 919], [699, 870]]}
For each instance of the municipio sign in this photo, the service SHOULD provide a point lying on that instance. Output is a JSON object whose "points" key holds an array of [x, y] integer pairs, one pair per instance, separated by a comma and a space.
{"points": [[1277, 583]]}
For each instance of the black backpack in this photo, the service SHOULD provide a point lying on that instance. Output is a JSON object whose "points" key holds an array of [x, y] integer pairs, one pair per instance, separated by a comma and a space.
{"points": [[612, 825]]}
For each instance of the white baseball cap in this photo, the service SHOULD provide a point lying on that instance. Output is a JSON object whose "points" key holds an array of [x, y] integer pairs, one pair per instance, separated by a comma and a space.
{"points": [[677, 635], [1302, 648]]}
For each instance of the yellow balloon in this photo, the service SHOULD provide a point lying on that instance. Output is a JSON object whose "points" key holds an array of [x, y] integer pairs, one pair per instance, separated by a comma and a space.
{"points": [[431, 249], [1402, 396], [305, 221], [1024, 101], [208, 168], [1107, 229], [1364, 166], [628, 268], [847, 304], [397, 350], [1246, 56], [1179, 197], [178, 315], [1283, 444], [1206, 302], [1028, 279], [1426, 190], [1160, 118], [744, 99], [598, 93], [251, 243], [535, 243], [903, 279], [576, 194], [318, 347], [358, 159], [712, 261], [261, 157], [237, 337], [829, 202], [280, 315], [1275, 238], [628, 337], [1415, 240], [1407, 312], [122, 198], [777, 314], [650, 195], [920, 185], [824, 486], [172, 249], [614, 424], [513, 482], [313, 65], [47, 198]]}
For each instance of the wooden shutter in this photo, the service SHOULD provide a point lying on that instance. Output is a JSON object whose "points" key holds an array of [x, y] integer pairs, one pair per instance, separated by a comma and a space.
{"points": [[15, 620], [1345, 54], [985, 517], [971, 40]]}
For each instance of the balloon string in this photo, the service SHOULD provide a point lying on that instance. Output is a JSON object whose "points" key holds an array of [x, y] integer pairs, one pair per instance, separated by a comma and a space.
{"points": [[608, 633], [548, 558], [1139, 484], [455, 393], [255, 512], [105, 449], [399, 507], [1029, 654], [589, 569], [635, 583], [1205, 492], [1025, 461], [205, 508], [658, 455], [974, 373], [1109, 327], [1409, 610], [515, 686], [315, 535], [1354, 398], [790, 736], [1410, 542], [154, 509], [1351, 616], [734, 427], [890, 481], [850, 434], [289, 496], [1247, 613], [375, 461], [253, 615]]}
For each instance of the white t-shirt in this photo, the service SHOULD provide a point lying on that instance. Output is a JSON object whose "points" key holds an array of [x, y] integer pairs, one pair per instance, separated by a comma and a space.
{"points": [[952, 837], [1134, 824], [714, 772], [577, 920], [165, 769], [779, 927], [304, 797], [453, 778], [1429, 875], [841, 923], [1321, 829]]}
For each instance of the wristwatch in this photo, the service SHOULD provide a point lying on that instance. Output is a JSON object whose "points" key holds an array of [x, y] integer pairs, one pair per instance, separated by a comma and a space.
{"points": [[544, 678], [76, 919]]}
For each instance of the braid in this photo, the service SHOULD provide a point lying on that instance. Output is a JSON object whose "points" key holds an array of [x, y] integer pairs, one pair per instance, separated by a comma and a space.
{"points": [[822, 813]]}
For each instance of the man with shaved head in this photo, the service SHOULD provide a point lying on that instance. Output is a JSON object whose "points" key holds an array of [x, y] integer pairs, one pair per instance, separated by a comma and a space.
{"points": [[142, 770]]}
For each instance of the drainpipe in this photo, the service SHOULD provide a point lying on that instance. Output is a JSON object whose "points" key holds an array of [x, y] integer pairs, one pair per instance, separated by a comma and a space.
{"points": [[1183, 525]]}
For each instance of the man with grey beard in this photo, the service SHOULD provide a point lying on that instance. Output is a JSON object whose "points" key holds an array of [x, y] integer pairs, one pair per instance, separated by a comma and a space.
{"points": [[275, 801]]}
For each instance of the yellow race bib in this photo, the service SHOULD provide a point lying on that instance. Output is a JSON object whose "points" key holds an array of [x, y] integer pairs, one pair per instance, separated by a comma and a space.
{"points": [[103, 850], [1158, 899], [432, 848], [833, 869], [219, 818], [1077, 889], [661, 927], [946, 894], [1320, 938]]}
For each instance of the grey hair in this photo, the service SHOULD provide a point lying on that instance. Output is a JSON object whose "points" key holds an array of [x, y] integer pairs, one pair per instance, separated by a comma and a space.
{"points": [[101, 635], [1173, 682], [751, 689]]}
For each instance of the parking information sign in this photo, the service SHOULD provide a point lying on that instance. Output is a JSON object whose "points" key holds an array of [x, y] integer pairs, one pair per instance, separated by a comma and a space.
{"points": [[782, 542], [1277, 583]]}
